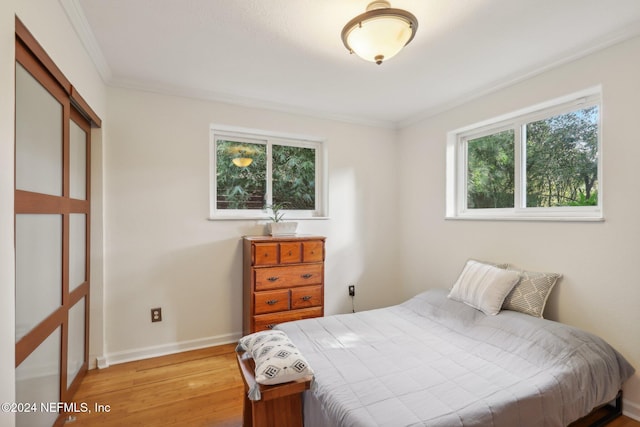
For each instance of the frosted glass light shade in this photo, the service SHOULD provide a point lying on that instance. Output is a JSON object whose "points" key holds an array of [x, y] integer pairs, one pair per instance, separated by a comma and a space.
{"points": [[380, 33]]}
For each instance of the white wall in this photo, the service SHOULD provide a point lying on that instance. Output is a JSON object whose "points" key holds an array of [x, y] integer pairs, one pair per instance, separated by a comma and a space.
{"points": [[161, 251], [600, 290], [7, 266], [48, 23]]}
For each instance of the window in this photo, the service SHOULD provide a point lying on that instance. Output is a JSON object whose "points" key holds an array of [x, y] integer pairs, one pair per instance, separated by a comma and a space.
{"points": [[252, 169], [538, 163]]}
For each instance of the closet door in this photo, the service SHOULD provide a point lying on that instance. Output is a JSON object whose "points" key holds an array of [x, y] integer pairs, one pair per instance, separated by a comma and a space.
{"points": [[52, 219]]}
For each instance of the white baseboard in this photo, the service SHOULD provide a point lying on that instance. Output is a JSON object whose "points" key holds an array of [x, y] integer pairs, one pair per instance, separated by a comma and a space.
{"points": [[163, 350], [101, 362], [631, 409], [96, 361]]}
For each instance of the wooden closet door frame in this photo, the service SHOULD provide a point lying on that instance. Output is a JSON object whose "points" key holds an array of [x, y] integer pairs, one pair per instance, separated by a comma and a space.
{"points": [[70, 298], [32, 57]]}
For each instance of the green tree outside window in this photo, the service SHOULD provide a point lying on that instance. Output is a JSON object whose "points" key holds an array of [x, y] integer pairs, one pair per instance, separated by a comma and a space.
{"points": [[561, 155], [241, 176]]}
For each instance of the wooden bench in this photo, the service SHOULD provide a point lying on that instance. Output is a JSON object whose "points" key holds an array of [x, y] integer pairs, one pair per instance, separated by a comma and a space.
{"points": [[280, 405]]}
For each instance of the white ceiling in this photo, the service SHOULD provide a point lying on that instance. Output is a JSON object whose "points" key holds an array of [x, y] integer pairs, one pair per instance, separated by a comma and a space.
{"points": [[288, 55]]}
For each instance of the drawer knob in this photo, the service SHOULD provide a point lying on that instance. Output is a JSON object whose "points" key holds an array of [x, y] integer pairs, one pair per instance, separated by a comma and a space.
{"points": [[306, 298], [271, 326], [307, 276], [289, 253], [273, 278], [272, 301]]}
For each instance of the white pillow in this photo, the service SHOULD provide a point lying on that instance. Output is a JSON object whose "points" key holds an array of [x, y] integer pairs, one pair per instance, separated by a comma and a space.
{"points": [[279, 362], [248, 342], [277, 359], [483, 286]]}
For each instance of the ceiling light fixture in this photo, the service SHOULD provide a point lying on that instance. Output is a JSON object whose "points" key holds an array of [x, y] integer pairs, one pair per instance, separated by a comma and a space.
{"points": [[242, 162], [242, 155], [379, 33]]}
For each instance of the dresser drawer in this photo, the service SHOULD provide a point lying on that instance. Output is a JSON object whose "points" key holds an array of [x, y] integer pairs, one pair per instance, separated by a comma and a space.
{"points": [[265, 254], [290, 253], [313, 251], [271, 301], [306, 296], [286, 277], [268, 321]]}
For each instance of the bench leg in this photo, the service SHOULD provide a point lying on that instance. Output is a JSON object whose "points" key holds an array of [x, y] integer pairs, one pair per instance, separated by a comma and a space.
{"points": [[285, 411]]}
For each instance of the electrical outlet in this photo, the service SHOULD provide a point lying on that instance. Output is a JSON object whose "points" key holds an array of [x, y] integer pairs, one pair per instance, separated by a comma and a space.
{"points": [[352, 290], [156, 314]]}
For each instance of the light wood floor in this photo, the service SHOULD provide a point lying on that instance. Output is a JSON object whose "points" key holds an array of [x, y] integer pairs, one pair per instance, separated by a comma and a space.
{"points": [[194, 389]]}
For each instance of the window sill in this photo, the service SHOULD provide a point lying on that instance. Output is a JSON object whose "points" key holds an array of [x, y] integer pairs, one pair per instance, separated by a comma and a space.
{"points": [[526, 218], [265, 219]]}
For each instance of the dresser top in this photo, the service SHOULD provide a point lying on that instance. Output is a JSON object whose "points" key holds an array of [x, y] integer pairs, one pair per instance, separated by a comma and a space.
{"points": [[280, 238]]}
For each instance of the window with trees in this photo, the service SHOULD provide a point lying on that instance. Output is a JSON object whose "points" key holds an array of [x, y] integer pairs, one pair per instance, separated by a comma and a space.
{"points": [[538, 163], [254, 170]]}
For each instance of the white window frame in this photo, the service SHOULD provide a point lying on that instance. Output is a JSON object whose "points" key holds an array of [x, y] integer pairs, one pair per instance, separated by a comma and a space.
{"points": [[456, 163], [270, 139]]}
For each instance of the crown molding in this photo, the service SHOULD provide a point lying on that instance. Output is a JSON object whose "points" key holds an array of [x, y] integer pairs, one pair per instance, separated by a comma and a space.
{"points": [[594, 46], [82, 28], [236, 100], [79, 22]]}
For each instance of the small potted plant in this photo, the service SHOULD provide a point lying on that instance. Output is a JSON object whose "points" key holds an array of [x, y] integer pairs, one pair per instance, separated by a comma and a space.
{"points": [[278, 227]]}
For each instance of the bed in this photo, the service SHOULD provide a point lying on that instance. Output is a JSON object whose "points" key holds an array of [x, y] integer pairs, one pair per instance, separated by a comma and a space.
{"points": [[433, 361]]}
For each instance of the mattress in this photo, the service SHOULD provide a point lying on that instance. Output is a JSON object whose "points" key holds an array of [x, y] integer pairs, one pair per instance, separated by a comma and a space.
{"points": [[432, 361]]}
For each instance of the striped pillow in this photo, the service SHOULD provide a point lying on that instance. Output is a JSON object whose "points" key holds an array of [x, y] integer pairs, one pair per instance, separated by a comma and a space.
{"points": [[483, 286]]}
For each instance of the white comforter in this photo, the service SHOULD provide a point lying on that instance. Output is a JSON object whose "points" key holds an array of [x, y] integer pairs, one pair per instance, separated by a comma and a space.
{"points": [[432, 361]]}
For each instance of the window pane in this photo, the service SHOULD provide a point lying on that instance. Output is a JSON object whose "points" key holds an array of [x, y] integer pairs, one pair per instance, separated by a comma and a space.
{"points": [[38, 269], [76, 335], [490, 171], [562, 160], [38, 137], [77, 161], [240, 175], [77, 250], [38, 381], [294, 177]]}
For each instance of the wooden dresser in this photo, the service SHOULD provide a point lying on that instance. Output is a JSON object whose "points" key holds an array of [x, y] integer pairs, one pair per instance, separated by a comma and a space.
{"points": [[283, 280]]}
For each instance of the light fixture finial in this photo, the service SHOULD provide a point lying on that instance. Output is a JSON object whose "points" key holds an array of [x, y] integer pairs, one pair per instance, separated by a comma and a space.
{"points": [[380, 4]]}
